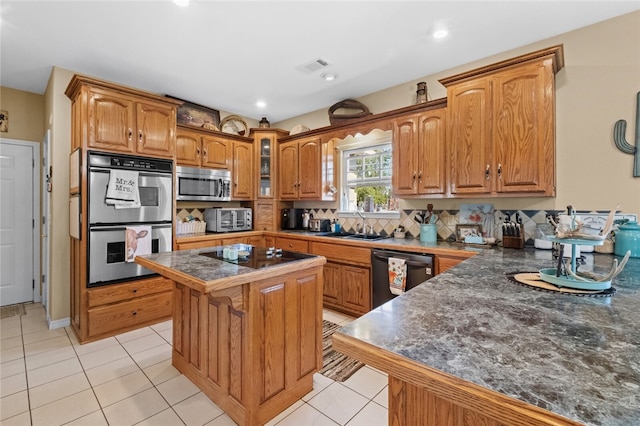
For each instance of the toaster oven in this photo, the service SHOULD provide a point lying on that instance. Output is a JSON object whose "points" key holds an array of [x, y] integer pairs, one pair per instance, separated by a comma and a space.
{"points": [[228, 219]]}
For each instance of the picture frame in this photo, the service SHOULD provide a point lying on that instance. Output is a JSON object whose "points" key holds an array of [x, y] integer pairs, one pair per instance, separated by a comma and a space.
{"points": [[198, 116], [466, 229]]}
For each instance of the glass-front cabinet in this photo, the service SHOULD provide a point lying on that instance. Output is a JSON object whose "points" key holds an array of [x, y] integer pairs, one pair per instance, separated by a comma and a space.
{"points": [[265, 141]]}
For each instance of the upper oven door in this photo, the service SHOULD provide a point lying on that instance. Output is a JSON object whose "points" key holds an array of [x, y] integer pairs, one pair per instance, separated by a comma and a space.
{"points": [[155, 199]]}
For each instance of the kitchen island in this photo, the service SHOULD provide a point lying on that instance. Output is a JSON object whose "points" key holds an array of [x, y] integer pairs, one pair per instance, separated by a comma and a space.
{"points": [[247, 333], [472, 347]]}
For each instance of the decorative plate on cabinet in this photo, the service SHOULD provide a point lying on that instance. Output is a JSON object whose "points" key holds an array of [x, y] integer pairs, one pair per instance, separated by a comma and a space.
{"points": [[235, 125]]}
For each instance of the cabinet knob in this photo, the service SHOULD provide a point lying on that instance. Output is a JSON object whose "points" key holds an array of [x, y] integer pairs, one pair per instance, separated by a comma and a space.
{"points": [[140, 135], [197, 152], [487, 172], [204, 151], [420, 174], [135, 290], [499, 171], [130, 134], [134, 313], [414, 176]]}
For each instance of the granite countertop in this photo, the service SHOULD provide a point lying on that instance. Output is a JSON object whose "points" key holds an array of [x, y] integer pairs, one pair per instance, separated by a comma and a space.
{"points": [[207, 274], [575, 356]]}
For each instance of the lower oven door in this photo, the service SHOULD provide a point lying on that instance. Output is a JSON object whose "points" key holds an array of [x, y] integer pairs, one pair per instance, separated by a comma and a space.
{"points": [[107, 253]]}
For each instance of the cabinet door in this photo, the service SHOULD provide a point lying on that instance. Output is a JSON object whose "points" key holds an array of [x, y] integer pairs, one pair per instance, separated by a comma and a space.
{"points": [[156, 132], [112, 124], [242, 171], [405, 156], [356, 289], [524, 112], [288, 175], [266, 166], [187, 148], [309, 169], [431, 152], [217, 153], [469, 137], [331, 285], [256, 241], [264, 215]]}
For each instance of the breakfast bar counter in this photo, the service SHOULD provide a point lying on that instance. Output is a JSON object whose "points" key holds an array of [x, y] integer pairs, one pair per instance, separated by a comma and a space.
{"points": [[248, 334], [472, 347]]}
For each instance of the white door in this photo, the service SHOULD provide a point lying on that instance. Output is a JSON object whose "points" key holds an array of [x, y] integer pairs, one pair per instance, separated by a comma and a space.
{"points": [[16, 224]]}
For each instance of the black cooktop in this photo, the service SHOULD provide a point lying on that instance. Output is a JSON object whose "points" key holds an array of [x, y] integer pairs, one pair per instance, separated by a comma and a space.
{"points": [[259, 257]]}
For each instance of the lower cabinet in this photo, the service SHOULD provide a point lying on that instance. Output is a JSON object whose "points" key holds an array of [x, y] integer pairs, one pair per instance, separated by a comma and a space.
{"points": [[347, 277], [347, 288], [123, 307]]}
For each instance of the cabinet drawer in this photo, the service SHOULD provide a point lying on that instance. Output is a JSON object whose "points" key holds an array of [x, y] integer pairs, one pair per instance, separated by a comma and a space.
{"points": [[291, 244], [121, 292], [343, 254], [138, 311]]}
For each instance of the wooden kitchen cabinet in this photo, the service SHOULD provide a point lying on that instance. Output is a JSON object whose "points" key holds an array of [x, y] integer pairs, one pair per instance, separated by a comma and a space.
{"points": [[266, 160], [121, 120], [116, 119], [242, 172], [300, 169], [117, 308], [419, 154], [501, 127], [199, 149], [347, 277]]}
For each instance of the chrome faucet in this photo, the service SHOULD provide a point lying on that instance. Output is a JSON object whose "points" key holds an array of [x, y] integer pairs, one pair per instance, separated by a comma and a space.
{"points": [[364, 221]]}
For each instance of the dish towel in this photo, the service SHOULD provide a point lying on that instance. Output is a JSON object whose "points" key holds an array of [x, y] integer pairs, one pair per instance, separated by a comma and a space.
{"points": [[397, 275], [122, 190], [137, 241]]}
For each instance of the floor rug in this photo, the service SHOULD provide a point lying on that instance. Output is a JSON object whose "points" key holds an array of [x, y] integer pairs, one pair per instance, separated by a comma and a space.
{"points": [[12, 310], [336, 366]]}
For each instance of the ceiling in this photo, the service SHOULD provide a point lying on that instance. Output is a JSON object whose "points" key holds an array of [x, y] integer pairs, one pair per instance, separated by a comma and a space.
{"points": [[229, 54]]}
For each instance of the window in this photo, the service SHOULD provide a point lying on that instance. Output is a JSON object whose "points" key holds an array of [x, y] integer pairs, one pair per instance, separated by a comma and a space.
{"points": [[366, 178]]}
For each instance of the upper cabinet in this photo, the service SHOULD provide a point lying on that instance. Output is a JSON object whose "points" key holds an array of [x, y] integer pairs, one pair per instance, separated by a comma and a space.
{"points": [[300, 169], [266, 149], [123, 120], [242, 171], [194, 148], [419, 154], [501, 127]]}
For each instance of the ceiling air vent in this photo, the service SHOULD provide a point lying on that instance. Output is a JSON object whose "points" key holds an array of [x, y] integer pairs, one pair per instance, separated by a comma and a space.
{"points": [[313, 66]]}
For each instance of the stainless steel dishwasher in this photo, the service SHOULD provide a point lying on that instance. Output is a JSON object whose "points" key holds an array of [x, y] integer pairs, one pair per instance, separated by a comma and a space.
{"points": [[419, 269]]}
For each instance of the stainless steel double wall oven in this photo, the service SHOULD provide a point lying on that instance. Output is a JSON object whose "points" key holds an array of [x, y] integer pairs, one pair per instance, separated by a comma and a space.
{"points": [[106, 262]]}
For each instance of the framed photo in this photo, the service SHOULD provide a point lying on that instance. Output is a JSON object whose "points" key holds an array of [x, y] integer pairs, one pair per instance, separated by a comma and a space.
{"points": [[194, 115], [464, 230]]}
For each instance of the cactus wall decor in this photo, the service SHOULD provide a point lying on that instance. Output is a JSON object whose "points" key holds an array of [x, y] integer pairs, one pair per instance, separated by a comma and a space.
{"points": [[619, 130]]}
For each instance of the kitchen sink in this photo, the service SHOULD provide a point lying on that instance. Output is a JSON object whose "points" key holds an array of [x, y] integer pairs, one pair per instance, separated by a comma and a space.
{"points": [[354, 236]]}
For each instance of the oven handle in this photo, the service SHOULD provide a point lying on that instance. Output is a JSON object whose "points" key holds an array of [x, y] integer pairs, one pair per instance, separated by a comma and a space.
{"points": [[141, 173], [110, 228]]}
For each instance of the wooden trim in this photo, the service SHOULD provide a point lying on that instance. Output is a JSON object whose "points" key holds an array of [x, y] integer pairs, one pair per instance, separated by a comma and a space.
{"points": [[554, 52], [370, 122], [216, 133], [77, 81]]}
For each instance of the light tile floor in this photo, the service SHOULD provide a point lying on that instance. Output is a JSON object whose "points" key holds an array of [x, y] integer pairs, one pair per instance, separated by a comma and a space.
{"points": [[48, 378]]}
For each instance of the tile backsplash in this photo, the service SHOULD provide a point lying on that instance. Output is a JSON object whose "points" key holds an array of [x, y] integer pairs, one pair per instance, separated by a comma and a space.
{"points": [[446, 223]]}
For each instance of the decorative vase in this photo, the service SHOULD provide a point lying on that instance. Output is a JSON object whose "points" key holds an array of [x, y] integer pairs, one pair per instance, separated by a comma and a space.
{"points": [[421, 93], [264, 122]]}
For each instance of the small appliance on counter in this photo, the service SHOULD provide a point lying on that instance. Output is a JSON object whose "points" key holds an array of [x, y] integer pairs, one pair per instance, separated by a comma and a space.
{"points": [[228, 219], [292, 219], [319, 225]]}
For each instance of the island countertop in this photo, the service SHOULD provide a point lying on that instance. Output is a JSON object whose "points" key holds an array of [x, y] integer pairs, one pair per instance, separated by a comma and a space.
{"points": [[578, 357], [206, 274]]}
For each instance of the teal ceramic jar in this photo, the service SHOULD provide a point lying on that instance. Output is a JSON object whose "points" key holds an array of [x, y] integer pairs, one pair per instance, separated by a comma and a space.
{"points": [[628, 238]]}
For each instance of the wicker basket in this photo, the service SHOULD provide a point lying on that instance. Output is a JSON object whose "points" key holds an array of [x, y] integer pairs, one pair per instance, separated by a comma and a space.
{"points": [[192, 227]]}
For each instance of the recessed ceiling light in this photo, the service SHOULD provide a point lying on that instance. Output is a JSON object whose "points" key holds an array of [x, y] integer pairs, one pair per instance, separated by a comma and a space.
{"points": [[329, 76], [261, 104], [439, 31], [183, 3]]}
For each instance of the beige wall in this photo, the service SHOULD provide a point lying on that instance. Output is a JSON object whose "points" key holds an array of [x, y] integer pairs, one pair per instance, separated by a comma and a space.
{"points": [[26, 114], [597, 87], [58, 107]]}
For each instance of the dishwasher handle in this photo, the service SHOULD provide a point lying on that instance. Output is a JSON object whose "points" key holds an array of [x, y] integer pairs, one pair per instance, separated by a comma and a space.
{"points": [[408, 262]]}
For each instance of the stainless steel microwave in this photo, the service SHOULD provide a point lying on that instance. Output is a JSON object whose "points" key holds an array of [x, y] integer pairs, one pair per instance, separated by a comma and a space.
{"points": [[194, 184], [228, 219]]}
